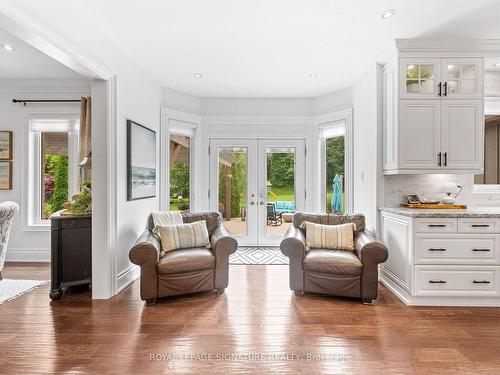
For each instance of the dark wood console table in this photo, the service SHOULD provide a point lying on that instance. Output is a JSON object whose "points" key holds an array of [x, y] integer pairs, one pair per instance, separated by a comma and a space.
{"points": [[71, 252]]}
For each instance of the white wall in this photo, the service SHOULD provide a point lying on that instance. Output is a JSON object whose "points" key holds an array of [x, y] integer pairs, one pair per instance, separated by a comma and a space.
{"points": [[257, 107], [334, 102], [367, 146], [27, 244], [179, 101]]}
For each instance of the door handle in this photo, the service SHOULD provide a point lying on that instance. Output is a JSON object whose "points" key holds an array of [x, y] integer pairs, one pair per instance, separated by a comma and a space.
{"points": [[445, 89], [481, 250], [437, 282], [481, 282], [261, 203], [445, 161], [480, 225], [440, 89], [439, 158], [436, 225], [252, 203], [437, 249]]}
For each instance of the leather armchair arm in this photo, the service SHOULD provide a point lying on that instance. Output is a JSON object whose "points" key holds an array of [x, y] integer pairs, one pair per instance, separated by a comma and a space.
{"points": [[222, 245], [146, 253], [293, 244], [294, 247], [146, 249], [369, 250]]}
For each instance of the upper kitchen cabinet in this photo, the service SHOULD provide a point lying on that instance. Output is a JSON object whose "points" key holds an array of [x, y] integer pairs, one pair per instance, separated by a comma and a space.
{"points": [[443, 78], [434, 107]]}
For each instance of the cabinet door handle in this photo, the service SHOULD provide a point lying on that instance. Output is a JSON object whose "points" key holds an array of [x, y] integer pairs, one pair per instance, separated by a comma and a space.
{"points": [[439, 249], [439, 158], [437, 282], [480, 225], [481, 282], [445, 162], [437, 225], [445, 89], [440, 92], [481, 250]]}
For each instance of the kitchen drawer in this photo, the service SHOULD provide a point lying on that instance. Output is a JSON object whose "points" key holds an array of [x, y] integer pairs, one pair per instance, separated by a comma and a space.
{"points": [[479, 225], [456, 248], [480, 281], [435, 225]]}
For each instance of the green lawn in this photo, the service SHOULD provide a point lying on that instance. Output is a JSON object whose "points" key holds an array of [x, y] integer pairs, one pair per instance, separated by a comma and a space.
{"points": [[281, 194]]}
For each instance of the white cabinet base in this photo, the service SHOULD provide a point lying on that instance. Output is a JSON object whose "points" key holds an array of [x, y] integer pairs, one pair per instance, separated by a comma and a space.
{"points": [[410, 300]]}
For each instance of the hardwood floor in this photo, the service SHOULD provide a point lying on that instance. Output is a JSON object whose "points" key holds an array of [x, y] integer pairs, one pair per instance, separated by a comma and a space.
{"points": [[258, 314]]}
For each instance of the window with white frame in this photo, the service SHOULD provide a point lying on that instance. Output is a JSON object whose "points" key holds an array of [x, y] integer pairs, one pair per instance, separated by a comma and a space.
{"points": [[181, 141], [53, 165], [333, 154]]}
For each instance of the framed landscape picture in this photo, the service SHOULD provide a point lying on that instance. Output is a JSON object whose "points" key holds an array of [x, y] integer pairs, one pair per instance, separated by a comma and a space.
{"points": [[141, 161], [5, 175], [5, 145]]}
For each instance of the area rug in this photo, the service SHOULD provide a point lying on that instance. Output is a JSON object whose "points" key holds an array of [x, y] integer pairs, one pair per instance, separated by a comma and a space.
{"points": [[258, 255], [10, 289]]}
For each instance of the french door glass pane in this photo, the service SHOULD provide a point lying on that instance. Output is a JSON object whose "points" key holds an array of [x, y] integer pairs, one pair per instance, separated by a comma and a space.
{"points": [[233, 186], [335, 161], [180, 166], [55, 179], [281, 202]]}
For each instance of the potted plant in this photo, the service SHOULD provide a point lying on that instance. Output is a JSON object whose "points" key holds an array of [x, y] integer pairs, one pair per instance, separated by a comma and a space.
{"points": [[81, 203]]}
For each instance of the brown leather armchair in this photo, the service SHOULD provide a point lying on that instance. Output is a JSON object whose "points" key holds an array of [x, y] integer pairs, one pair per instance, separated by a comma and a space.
{"points": [[185, 270], [336, 272]]}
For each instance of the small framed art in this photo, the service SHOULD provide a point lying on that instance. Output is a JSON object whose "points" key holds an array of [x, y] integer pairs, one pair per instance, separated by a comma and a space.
{"points": [[5, 175], [5, 145]]}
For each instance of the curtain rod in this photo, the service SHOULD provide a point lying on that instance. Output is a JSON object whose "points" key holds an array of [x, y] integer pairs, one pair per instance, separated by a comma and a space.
{"points": [[25, 101]]}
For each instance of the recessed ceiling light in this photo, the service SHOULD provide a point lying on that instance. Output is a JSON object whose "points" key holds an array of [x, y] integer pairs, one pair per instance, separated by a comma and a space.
{"points": [[388, 13], [198, 75], [313, 75], [497, 64], [8, 47]]}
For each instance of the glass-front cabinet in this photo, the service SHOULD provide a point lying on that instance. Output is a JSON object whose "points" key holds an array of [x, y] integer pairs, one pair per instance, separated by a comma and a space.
{"points": [[441, 78], [419, 78]]}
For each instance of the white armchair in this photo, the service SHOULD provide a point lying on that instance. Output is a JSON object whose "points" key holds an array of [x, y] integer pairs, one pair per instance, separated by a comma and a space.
{"points": [[8, 210]]}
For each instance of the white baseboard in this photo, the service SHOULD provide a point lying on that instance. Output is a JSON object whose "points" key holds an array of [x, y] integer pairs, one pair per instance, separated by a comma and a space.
{"points": [[27, 255], [127, 277]]}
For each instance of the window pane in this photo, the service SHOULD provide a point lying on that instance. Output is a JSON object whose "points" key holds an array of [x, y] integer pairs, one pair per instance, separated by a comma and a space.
{"points": [[281, 203], [233, 186], [55, 179], [335, 161], [179, 172]]}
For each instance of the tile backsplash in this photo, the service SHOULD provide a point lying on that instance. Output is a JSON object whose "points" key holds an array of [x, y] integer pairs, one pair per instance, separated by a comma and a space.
{"points": [[429, 185]]}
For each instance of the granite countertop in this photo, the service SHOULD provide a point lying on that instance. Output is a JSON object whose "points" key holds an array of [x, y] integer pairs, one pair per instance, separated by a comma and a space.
{"points": [[474, 211]]}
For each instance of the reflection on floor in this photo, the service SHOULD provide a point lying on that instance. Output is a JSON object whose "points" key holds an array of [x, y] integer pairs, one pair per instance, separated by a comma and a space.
{"points": [[237, 227]]}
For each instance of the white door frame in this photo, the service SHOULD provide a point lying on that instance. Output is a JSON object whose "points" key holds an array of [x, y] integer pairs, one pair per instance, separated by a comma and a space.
{"points": [[256, 210]]}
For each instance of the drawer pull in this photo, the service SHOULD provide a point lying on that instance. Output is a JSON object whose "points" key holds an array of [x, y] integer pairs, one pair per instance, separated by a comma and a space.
{"points": [[437, 282], [437, 225], [437, 249], [481, 282], [481, 250], [480, 225]]}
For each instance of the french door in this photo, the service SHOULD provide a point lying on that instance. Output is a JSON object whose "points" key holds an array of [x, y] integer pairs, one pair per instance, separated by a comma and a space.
{"points": [[257, 185]]}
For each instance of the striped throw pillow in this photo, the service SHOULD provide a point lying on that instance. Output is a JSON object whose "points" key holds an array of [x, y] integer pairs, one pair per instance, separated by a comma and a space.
{"points": [[182, 236], [336, 237]]}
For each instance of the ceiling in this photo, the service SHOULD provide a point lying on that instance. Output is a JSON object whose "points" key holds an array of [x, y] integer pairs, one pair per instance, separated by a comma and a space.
{"points": [[26, 62], [266, 48]]}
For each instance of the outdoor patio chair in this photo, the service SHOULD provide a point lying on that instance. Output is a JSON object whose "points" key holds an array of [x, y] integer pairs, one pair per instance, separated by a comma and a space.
{"points": [[273, 217]]}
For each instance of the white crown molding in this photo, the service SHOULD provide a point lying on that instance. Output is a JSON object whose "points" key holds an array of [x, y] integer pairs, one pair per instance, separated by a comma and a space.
{"points": [[343, 115], [463, 45], [179, 116], [27, 28]]}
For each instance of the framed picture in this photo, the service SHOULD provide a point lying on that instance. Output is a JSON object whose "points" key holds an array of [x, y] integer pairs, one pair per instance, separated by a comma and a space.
{"points": [[413, 198], [5, 145], [5, 175], [141, 161]]}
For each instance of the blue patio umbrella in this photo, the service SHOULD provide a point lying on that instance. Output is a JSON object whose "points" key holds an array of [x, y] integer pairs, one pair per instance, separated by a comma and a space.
{"points": [[336, 202]]}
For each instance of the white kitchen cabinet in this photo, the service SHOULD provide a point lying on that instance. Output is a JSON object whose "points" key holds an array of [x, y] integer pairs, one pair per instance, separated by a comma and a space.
{"points": [[433, 113], [462, 134], [445, 261], [419, 133]]}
